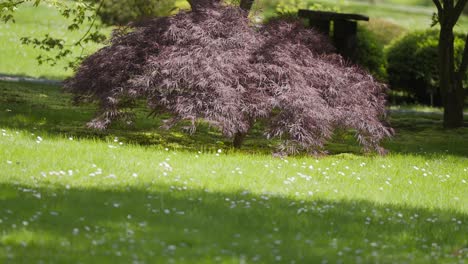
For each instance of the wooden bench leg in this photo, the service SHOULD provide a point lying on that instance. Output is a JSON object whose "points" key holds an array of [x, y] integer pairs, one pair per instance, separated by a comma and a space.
{"points": [[345, 37]]}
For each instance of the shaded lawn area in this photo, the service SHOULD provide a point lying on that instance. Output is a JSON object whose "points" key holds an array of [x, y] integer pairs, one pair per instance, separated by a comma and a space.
{"points": [[159, 224], [73, 195], [44, 108]]}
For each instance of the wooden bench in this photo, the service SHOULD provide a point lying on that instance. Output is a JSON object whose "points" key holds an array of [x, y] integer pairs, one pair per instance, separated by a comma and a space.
{"points": [[344, 28]]}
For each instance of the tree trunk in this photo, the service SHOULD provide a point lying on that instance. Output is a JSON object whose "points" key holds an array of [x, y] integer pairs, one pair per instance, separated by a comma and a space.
{"points": [[453, 110], [452, 89], [238, 139]]}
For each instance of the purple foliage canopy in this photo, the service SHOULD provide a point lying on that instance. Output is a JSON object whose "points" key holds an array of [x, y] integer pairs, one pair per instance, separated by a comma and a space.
{"points": [[213, 64]]}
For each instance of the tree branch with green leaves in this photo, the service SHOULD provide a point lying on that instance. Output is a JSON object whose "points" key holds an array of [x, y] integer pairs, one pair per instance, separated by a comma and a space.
{"points": [[82, 15]]}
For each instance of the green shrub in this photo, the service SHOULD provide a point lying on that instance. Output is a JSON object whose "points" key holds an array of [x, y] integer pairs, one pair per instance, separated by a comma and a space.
{"points": [[413, 65], [370, 53], [119, 12]]}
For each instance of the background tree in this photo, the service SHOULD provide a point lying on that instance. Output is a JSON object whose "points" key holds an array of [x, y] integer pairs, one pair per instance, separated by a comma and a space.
{"points": [[451, 77]]}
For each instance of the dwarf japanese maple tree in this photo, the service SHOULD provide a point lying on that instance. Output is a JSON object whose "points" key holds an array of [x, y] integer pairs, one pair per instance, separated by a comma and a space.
{"points": [[211, 63]]}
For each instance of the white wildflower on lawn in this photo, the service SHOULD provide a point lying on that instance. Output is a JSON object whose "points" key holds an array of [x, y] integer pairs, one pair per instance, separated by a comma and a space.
{"points": [[416, 168], [301, 210], [134, 175], [9, 162], [70, 138], [165, 166], [171, 247]]}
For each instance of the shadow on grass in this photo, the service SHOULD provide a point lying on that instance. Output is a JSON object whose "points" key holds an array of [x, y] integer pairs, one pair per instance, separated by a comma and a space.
{"points": [[45, 109], [157, 224]]}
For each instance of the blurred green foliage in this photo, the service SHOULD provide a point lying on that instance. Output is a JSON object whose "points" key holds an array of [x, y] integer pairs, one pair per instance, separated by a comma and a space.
{"points": [[413, 64], [119, 12], [384, 30], [370, 53]]}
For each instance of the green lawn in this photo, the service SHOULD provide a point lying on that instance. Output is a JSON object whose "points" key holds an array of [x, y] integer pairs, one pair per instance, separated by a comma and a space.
{"points": [[144, 195]]}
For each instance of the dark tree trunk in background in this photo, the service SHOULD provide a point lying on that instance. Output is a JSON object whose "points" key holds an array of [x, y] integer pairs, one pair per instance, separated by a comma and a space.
{"points": [[451, 81], [452, 100], [246, 4]]}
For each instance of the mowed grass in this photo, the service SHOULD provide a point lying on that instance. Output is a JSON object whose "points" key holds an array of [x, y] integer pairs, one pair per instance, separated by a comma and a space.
{"points": [[145, 195]]}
